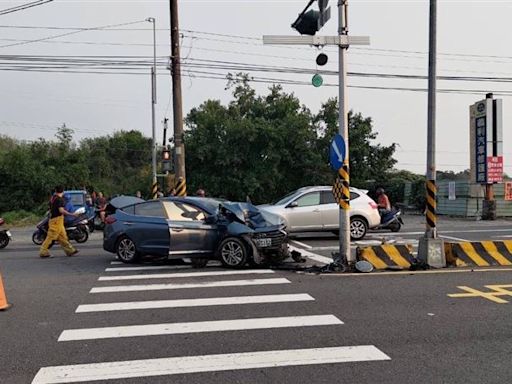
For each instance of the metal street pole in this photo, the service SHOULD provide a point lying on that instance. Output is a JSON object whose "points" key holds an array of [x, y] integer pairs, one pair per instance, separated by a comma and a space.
{"points": [[344, 237], [153, 102], [176, 92], [430, 212], [431, 248]]}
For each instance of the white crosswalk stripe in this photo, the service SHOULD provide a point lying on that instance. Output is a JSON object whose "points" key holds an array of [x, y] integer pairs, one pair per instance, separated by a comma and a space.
{"points": [[167, 366], [183, 275], [147, 268], [212, 284], [214, 301], [206, 363], [197, 327]]}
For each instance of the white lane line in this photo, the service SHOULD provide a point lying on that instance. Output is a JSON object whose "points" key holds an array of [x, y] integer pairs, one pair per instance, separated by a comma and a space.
{"points": [[197, 327], [312, 256], [148, 268], [452, 238], [116, 262], [153, 304], [206, 363], [191, 274], [301, 244], [211, 284]]}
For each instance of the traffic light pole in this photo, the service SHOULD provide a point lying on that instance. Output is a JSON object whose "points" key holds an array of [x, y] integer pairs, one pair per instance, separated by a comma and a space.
{"points": [[176, 91], [153, 103], [343, 174]]}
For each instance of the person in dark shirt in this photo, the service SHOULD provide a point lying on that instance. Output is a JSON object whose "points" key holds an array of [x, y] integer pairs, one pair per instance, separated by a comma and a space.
{"points": [[56, 230]]}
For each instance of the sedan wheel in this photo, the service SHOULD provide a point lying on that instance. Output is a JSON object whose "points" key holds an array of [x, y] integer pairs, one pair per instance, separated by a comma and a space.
{"points": [[127, 251], [358, 228], [233, 253]]}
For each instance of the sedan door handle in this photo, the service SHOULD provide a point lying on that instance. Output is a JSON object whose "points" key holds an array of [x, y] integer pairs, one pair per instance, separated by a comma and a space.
{"points": [[316, 210], [127, 223], [177, 228]]}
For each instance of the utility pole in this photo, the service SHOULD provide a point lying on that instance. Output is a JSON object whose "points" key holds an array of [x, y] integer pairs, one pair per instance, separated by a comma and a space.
{"points": [[176, 91], [343, 172], [431, 249], [154, 185], [308, 23]]}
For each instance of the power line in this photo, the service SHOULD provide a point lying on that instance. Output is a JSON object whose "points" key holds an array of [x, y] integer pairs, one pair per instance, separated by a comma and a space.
{"points": [[70, 33], [24, 6]]}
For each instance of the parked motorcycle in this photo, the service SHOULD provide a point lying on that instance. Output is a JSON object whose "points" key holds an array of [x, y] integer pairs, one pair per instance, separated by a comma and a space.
{"points": [[77, 229], [5, 235], [391, 220]]}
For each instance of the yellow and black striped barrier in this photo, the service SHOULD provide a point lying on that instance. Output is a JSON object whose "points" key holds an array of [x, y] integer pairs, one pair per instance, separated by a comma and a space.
{"points": [[341, 188], [181, 187], [154, 190], [387, 256], [430, 212], [479, 253]]}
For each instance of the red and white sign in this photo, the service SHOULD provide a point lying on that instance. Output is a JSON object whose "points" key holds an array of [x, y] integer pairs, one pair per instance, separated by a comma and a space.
{"points": [[494, 169]]}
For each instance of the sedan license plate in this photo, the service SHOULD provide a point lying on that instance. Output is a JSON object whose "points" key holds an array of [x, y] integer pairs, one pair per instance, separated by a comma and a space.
{"points": [[261, 243]]}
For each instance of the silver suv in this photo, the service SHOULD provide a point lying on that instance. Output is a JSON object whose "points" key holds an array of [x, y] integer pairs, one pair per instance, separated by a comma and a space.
{"points": [[313, 209]]}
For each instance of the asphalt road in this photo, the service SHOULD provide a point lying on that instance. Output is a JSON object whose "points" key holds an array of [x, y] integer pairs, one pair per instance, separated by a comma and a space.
{"points": [[400, 328]]}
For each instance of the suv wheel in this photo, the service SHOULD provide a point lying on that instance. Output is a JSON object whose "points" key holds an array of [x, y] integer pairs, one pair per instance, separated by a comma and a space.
{"points": [[358, 228]]}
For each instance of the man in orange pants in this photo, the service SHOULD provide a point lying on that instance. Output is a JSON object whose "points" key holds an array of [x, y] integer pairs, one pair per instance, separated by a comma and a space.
{"points": [[56, 229]]}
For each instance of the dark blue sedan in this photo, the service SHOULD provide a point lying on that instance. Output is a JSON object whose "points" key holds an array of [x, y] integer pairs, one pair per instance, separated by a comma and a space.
{"points": [[197, 228]]}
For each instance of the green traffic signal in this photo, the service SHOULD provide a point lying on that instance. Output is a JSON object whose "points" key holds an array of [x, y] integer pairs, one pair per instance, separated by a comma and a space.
{"points": [[317, 80]]}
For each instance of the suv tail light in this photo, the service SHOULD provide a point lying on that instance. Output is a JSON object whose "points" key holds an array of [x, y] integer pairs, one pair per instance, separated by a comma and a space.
{"points": [[373, 205], [110, 220]]}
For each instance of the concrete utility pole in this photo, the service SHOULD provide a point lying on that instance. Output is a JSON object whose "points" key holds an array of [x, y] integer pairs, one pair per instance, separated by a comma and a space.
{"points": [[431, 249], [176, 92], [344, 173], [153, 103]]}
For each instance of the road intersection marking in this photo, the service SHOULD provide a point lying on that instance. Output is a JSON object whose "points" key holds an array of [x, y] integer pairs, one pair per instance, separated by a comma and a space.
{"points": [[493, 295]]}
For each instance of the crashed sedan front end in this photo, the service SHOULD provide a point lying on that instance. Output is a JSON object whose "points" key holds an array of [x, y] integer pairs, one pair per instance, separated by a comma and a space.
{"points": [[262, 231]]}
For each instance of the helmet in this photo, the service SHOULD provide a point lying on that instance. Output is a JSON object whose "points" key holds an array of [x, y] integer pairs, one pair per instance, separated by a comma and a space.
{"points": [[380, 191], [67, 197]]}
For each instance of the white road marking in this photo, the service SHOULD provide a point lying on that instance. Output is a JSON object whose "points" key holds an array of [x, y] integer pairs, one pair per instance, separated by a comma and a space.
{"points": [[116, 262], [312, 256], [452, 238], [190, 274], [211, 284], [206, 363], [148, 268], [301, 244], [236, 300], [197, 327]]}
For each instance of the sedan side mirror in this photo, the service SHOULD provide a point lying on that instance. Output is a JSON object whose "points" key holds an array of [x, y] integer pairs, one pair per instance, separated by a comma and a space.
{"points": [[293, 204]]}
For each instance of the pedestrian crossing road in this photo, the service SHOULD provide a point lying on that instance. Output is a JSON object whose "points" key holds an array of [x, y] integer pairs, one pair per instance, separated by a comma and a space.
{"points": [[161, 321]]}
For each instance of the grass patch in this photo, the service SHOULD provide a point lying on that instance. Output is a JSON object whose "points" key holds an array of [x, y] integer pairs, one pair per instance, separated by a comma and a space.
{"points": [[21, 218]]}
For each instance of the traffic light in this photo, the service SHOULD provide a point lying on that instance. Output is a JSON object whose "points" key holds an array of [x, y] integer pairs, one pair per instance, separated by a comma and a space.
{"points": [[310, 22], [307, 23], [166, 160]]}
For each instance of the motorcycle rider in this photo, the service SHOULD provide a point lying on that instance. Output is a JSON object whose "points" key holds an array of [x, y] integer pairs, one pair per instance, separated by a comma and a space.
{"points": [[383, 201], [56, 230], [68, 206]]}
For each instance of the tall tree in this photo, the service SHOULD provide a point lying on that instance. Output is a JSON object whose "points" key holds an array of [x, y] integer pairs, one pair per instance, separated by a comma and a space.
{"points": [[368, 159]]}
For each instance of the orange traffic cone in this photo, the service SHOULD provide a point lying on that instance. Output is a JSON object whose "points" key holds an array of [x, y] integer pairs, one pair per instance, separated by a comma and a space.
{"points": [[3, 299]]}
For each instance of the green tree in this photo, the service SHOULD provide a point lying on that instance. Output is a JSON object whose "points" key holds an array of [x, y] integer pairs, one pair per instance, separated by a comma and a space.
{"points": [[257, 146], [369, 161]]}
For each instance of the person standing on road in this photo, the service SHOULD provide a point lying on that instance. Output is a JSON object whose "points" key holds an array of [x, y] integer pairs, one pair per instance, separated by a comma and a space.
{"points": [[101, 204], [200, 193], [56, 230]]}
